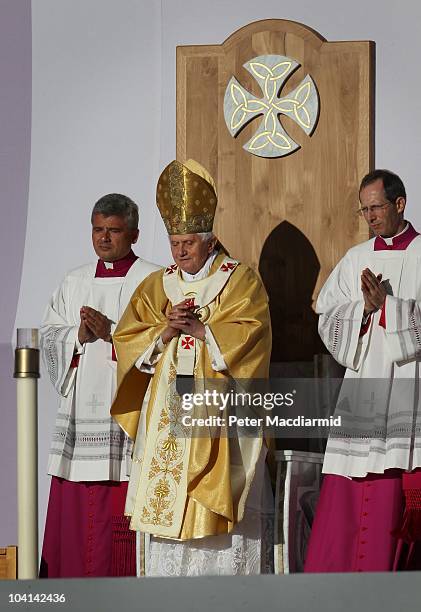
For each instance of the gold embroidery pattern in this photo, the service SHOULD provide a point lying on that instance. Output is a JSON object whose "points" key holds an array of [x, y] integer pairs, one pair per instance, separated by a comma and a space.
{"points": [[164, 421], [173, 374], [301, 105], [167, 463], [186, 201]]}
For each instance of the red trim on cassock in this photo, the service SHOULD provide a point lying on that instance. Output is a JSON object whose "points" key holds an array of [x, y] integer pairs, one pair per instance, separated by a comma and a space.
{"points": [[75, 361], [120, 267], [382, 320], [364, 328], [400, 243]]}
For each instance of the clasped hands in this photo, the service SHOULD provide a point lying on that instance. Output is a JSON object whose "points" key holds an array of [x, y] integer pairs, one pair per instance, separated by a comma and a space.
{"points": [[93, 326], [374, 292], [183, 318]]}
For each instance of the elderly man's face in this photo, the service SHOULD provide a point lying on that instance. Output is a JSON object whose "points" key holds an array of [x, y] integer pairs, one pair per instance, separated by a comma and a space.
{"points": [[111, 238], [190, 252], [383, 217]]}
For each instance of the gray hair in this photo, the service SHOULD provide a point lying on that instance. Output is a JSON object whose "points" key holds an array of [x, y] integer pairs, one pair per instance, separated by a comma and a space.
{"points": [[119, 205], [206, 236]]}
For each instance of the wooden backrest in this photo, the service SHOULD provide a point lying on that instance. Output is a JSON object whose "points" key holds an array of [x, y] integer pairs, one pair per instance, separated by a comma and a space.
{"points": [[293, 217]]}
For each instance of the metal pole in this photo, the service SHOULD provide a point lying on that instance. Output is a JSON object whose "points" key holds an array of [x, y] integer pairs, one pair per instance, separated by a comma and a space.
{"points": [[26, 373]]}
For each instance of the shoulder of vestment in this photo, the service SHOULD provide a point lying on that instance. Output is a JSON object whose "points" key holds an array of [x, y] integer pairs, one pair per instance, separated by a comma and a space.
{"points": [[363, 247], [415, 245], [85, 271], [244, 271], [149, 265], [152, 280]]}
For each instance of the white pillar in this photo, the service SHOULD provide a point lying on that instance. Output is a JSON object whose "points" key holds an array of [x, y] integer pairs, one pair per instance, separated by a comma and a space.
{"points": [[26, 373]]}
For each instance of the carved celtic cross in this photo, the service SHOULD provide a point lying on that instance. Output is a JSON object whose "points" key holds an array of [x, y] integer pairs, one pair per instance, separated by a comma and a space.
{"points": [[302, 105]]}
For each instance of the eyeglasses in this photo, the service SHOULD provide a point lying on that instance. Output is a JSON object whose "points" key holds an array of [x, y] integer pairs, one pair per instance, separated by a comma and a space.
{"points": [[376, 208]]}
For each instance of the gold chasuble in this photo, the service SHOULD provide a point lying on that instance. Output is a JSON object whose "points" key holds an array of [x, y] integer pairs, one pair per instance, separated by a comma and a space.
{"points": [[184, 484]]}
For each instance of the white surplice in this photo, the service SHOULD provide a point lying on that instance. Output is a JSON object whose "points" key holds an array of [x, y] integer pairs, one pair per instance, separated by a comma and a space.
{"points": [[87, 444], [379, 400]]}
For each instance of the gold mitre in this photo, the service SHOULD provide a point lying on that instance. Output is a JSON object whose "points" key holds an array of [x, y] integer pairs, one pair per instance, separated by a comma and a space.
{"points": [[186, 198]]}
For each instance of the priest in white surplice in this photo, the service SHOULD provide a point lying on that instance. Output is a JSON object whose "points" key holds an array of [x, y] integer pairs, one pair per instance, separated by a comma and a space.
{"points": [[86, 532], [205, 501], [369, 513]]}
